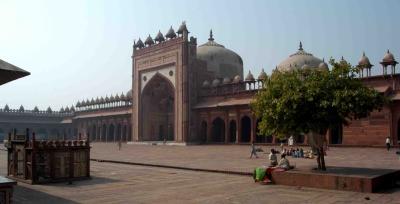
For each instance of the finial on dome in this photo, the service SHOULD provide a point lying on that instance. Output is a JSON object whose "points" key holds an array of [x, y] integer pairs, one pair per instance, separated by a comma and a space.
{"points": [[300, 46], [363, 53], [211, 36]]}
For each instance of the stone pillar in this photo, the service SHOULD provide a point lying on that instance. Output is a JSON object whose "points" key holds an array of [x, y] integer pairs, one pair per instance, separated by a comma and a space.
{"points": [[238, 127], [226, 121], [209, 129], [115, 131], [107, 130]]}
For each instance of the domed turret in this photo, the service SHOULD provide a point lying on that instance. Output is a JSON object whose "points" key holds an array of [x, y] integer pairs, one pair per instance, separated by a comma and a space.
{"points": [[78, 104], [36, 109], [72, 109], [159, 38], [182, 28], [149, 41], [67, 109], [220, 60], [388, 57], [49, 110], [117, 97], [249, 77], [123, 98], [92, 102], [21, 109], [139, 44], [215, 82], [102, 100], [97, 100], [6, 108], [62, 110], [323, 65], [206, 83], [107, 100], [226, 80], [305, 67], [298, 59], [171, 33], [262, 75], [112, 99], [342, 61], [364, 62], [237, 79]]}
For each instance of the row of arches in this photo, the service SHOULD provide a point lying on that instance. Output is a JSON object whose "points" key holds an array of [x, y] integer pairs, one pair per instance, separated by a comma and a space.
{"points": [[109, 132], [241, 132]]}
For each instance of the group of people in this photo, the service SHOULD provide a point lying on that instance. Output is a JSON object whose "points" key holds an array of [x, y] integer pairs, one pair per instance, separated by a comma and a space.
{"points": [[297, 153]]}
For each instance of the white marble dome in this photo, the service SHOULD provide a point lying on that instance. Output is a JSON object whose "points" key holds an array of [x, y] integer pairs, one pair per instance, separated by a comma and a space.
{"points": [[220, 60], [299, 60]]}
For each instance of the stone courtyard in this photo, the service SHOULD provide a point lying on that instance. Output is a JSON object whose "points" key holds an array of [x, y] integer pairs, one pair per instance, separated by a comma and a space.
{"points": [[121, 183]]}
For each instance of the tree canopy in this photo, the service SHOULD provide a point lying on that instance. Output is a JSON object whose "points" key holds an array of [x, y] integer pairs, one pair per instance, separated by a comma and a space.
{"points": [[312, 100]]}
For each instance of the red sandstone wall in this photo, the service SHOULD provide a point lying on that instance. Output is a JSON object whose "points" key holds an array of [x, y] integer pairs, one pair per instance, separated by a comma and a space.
{"points": [[369, 131]]}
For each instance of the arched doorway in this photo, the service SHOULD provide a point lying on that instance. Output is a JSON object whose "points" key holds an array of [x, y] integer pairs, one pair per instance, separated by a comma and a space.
{"points": [[103, 133], [110, 136], [157, 110], [246, 129], [203, 132], [119, 131], [398, 131], [232, 131], [336, 134], [93, 133], [124, 132], [217, 130], [2, 136]]}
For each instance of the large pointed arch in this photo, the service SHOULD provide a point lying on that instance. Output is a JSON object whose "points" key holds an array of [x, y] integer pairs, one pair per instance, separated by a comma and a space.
{"points": [[157, 119]]}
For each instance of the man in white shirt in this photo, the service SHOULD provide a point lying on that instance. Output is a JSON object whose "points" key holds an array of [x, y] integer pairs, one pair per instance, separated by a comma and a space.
{"points": [[387, 143]]}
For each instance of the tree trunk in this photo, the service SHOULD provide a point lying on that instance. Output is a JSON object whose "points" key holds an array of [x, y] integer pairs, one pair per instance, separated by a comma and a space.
{"points": [[319, 160], [322, 158], [316, 141]]}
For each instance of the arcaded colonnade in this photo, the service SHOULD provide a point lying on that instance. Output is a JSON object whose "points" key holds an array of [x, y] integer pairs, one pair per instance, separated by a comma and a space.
{"points": [[106, 129]]}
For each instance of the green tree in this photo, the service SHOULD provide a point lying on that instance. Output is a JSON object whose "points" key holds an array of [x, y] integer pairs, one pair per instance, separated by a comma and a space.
{"points": [[312, 101]]}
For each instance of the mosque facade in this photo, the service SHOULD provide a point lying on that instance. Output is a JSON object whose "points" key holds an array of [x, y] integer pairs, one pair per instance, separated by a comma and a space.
{"points": [[186, 93]]}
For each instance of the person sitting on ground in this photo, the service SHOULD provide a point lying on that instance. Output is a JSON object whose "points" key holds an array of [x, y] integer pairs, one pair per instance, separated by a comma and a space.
{"points": [[273, 160], [284, 163], [301, 153]]}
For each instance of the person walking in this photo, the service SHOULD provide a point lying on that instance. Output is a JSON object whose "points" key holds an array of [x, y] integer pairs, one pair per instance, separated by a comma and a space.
{"points": [[387, 143], [253, 151]]}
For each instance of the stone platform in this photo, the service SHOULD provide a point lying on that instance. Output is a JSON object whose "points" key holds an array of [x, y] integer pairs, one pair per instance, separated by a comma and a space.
{"points": [[366, 180]]}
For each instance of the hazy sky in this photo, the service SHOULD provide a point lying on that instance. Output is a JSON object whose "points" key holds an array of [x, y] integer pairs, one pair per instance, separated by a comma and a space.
{"points": [[82, 49]]}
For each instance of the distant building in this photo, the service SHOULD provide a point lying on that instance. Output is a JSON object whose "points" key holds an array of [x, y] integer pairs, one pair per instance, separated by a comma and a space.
{"points": [[184, 93]]}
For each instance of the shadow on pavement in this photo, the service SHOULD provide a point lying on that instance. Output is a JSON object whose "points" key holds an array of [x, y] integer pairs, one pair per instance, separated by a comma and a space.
{"points": [[28, 195]]}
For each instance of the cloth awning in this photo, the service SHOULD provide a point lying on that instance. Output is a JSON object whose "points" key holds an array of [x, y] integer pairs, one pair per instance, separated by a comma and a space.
{"points": [[9, 72]]}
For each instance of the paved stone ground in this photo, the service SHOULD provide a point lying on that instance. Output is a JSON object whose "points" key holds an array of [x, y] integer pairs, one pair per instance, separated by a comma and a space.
{"points": [[236, 157], [118, 183]]}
